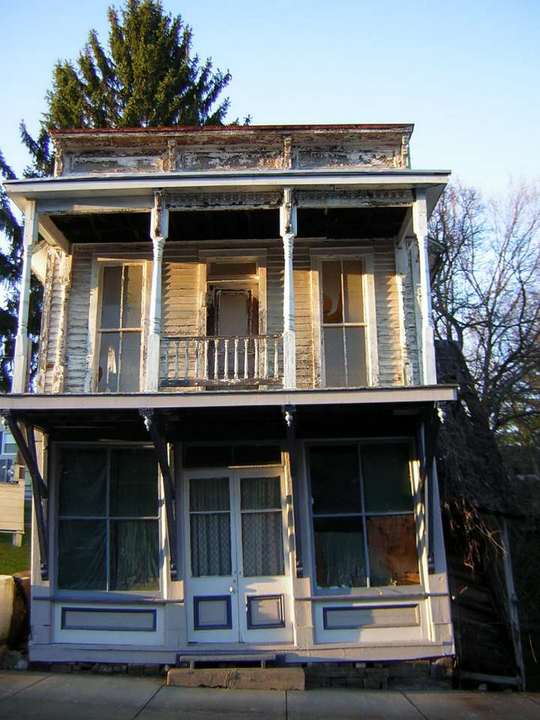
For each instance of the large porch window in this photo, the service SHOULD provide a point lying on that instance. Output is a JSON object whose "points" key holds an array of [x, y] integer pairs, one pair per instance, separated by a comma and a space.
{"points": [[108, 536], [363, 515]]}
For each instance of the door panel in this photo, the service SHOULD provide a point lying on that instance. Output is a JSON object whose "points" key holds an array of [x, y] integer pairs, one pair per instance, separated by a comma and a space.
{"points": [[211, 596], [238, 584]]}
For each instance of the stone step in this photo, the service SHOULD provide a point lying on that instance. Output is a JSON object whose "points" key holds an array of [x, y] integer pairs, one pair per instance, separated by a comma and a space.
{"points": [[237, 678]]}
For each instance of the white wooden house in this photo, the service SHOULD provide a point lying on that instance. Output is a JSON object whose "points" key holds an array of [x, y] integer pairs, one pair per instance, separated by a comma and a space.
{"points": [[230, 437]]}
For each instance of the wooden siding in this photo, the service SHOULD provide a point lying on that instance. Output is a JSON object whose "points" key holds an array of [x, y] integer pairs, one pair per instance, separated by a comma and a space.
{"points": [[77, 326]]}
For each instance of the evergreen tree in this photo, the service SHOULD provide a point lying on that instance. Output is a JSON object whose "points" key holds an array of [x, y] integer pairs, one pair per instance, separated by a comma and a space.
{"points": [[146, 77]]}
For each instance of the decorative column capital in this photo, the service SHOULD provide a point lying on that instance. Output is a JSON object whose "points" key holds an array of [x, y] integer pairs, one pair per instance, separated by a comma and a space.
{"points": [[159, 223], [288, 214]]}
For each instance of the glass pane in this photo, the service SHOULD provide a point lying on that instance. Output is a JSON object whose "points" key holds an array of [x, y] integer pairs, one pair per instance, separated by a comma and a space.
{"points": [[387, 486], [392, 550], [334, 357], [81, 555], [110, 300], [131, 362], [207, 456], [132, 293], [222, 271], [262, 544], [352, 289], [133, 483], [335, 485], [331, 292], [210, 544], [109, 357], [83, 480], [209, 494], [356, 356], [134, 555], [339, 552], [260, 493]]}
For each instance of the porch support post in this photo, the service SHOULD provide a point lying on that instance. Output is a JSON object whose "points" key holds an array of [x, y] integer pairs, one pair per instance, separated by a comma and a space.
{"points": [[288, 227], [27, 449], [159, 230], [160, 450], [30, 236], [289, 415], [427, 358]]}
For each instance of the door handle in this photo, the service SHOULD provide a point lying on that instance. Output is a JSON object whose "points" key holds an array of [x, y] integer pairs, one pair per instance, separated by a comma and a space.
{"points": [[231, 589]]}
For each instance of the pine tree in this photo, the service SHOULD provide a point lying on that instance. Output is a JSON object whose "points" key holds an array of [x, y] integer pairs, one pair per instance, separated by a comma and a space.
{"points": [[146, 77]]}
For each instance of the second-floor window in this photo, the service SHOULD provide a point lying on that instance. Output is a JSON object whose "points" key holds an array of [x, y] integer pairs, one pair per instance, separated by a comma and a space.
{"points": [[120, 328], [344, 324]]}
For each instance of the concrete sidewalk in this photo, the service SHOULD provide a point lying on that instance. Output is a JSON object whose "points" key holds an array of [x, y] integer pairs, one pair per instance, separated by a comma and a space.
{"points": [[119, 697]]}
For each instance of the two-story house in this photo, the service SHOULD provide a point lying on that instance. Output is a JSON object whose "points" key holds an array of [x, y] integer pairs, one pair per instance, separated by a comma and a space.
{"points": [[231, 433]]}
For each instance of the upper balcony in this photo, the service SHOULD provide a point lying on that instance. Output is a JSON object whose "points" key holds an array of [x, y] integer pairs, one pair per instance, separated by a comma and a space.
{"points": [[229, 259]]}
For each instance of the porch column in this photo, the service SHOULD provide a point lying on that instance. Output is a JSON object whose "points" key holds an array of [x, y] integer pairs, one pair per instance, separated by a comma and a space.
{"points": [[288, 225], [427, 346], [30, 237], [159, 230]]}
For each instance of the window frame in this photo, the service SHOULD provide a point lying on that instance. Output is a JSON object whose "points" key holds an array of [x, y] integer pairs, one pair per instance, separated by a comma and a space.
{"points": [[54, 544], [318, 256], [94, 329], [416, 512]]}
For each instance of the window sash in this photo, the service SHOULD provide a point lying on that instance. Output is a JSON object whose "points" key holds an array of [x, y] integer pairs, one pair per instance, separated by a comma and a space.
{"points": [[343, 325], [121, 330]]}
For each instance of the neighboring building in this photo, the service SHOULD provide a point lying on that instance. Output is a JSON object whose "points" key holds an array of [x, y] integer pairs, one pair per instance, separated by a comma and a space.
{"points": [[12, 490], [248, 309]]}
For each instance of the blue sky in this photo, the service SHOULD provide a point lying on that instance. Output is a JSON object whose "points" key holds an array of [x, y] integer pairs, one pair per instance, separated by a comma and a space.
{"points": [[466, 73]]}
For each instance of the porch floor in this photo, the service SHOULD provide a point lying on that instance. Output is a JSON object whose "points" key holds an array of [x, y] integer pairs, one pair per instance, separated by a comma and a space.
{"points": [[25, 695]]}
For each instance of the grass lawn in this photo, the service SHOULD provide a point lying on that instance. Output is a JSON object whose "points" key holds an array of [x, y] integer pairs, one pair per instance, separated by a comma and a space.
{"points": [[14, 559]]}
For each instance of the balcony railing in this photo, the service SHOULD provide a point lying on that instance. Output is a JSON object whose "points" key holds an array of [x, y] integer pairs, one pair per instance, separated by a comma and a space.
{"points": [[210, 361]]}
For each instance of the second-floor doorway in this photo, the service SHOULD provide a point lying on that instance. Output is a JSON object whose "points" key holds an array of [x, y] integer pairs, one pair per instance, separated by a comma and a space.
{"points": [[232, 321]]}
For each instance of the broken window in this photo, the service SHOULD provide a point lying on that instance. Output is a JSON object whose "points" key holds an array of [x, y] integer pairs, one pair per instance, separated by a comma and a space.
{"points": [[343, 323], [108, 535], [120, 328], [363, 515]]}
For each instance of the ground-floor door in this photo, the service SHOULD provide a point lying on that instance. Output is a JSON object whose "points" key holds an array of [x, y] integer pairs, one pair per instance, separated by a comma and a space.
{"points": [[237, 566]]}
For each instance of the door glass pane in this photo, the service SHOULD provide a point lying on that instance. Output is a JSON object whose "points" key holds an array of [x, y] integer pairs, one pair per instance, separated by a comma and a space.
{"points": [[109, 362], [133, 483], [209, 494], [81, 555], [392, 550], [334, 357], [356, 356], [352, 289], [132, 294], [134, 555], [83, 478], [233, 313], [110, 300], [335, 485], [331, 292], [131, 362], [260, 493], [262, 543], [339, 552], [387, 485], [210, 544]]}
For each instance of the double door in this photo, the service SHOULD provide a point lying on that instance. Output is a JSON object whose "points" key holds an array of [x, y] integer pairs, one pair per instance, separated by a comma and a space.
{"points": [[237, 565]]}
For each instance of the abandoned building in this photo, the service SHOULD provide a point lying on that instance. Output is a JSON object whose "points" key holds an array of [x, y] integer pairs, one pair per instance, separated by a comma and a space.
{"points": [[230, 433]]}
